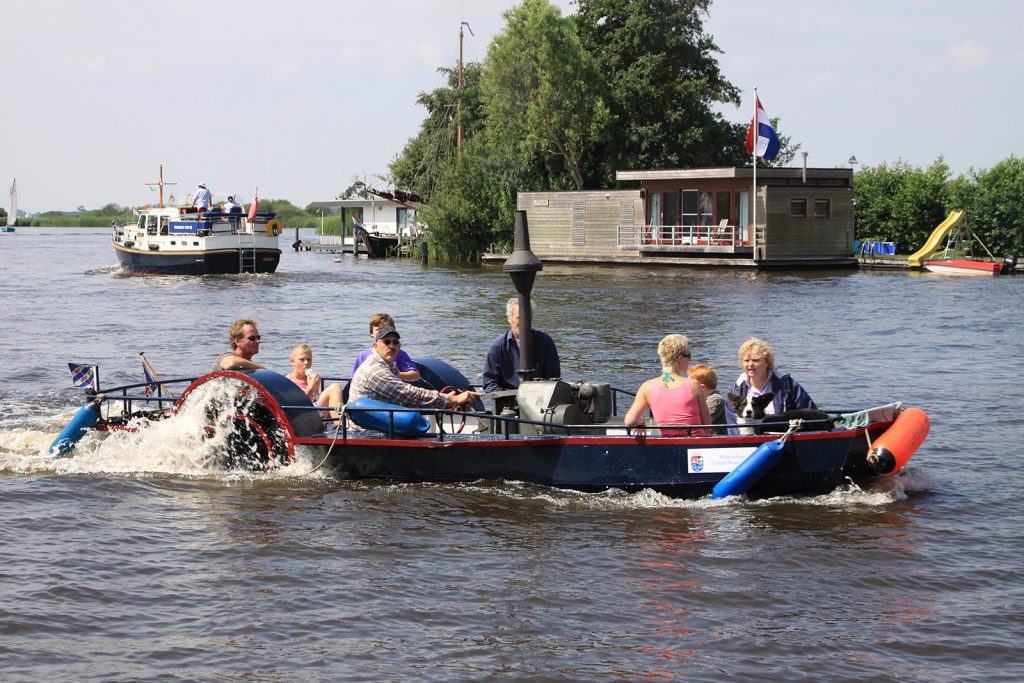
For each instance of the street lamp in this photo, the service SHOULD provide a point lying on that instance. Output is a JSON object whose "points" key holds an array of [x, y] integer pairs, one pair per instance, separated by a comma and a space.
{"points": [[852, 161]]}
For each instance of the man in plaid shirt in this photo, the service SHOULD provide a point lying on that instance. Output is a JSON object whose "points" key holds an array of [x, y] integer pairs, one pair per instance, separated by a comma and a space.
{"points": [[377, 378]]}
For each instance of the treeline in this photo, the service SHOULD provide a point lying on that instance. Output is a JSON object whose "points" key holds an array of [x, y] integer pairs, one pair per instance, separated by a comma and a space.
{"points": [[903, 204], [291, 216]]}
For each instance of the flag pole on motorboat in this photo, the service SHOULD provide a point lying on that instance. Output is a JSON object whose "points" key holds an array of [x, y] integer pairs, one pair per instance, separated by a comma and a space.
{"points": [[522, 266]]}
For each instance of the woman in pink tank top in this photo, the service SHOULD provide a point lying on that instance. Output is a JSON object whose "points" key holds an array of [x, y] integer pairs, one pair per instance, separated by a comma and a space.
{"points": [[673, 397]]}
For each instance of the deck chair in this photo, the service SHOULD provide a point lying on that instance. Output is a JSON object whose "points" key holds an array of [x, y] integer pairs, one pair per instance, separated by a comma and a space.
{"points": [[720, 234]]}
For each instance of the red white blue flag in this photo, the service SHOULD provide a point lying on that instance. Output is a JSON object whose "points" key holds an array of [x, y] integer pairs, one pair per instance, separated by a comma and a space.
{"points": [[151, 383], [83, 376], [761, 138], [254, 207]]}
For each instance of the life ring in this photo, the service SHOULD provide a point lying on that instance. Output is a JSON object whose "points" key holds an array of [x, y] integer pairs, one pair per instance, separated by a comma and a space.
{"points": [[274, 227]]}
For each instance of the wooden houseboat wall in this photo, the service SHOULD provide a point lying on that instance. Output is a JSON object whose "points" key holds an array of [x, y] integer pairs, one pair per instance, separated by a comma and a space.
{"points": [[579, 226]]}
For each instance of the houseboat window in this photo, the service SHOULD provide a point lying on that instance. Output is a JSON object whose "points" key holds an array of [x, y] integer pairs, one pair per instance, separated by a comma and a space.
{"points": [[724, 206], [689, 207], [822, 208], [798, 208], [706, 208]]}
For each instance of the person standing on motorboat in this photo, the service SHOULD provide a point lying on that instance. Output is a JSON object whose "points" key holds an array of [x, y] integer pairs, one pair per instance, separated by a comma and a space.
{"points": [[203, 198], [230, 207], [377, 378], [760, 376], [244, 337], [501, 369]]}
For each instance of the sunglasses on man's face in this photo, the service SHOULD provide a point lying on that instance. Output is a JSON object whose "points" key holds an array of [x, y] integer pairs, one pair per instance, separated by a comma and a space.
{"points": [[254, 337], [392, 342]]}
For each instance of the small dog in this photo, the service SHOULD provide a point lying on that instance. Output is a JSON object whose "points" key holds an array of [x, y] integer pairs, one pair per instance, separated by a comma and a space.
{"points": [[750, 410]]}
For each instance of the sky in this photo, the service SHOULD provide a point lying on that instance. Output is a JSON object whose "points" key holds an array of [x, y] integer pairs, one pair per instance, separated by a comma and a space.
{"points": [[300, 97]]}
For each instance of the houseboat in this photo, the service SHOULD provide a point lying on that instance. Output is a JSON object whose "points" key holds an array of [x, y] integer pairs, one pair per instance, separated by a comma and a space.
{"points": [[701, 217], [382, 224]]}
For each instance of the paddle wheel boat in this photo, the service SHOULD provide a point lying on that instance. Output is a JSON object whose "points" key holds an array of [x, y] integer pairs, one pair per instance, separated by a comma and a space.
{"points": [[546, 432]]}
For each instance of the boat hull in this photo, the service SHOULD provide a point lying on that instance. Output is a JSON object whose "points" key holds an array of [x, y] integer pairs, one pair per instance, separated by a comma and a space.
{"points": [[377, 245], [209, 262], [811, 464], [964, 267]]}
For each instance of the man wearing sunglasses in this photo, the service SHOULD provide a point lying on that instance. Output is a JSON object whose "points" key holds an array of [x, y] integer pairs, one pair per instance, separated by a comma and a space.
{"points": [[244, 338], [377, 378]]}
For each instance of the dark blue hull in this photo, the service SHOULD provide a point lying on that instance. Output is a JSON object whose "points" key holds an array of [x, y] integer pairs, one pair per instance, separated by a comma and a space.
{"points": [[214, 262], [811, 464]]}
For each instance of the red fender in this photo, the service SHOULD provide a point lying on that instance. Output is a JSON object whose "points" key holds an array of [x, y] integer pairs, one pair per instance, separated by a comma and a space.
{"points": [[893, 449]]}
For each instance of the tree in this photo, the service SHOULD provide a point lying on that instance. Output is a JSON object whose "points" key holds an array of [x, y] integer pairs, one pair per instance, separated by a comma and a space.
{"points": [[662, 81], [901, 203], [542, 90], [422, 162], [290, 215], [473, 208], [996, 208]]}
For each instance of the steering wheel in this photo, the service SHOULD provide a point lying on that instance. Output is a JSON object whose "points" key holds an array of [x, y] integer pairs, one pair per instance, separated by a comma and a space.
{"points": [[452, 419]]}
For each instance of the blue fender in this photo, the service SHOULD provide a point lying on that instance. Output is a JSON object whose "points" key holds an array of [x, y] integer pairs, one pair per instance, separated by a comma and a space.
{"points": [[750, 471], [407, 423], [84, 419]]}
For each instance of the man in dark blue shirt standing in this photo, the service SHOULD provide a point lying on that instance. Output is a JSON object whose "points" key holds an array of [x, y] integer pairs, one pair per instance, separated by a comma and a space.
{"points": [[501, 369]]}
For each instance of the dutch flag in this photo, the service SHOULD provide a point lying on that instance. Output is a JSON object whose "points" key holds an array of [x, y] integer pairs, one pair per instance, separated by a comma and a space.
{"points": [[761, 138]]}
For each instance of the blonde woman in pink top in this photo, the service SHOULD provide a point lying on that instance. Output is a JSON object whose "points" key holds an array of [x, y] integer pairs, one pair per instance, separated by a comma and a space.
{"points": [[673, 398]]}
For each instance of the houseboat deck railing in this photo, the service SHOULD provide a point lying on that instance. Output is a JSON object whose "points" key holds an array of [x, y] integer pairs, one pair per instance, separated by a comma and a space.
{"points": [[722, 235]]}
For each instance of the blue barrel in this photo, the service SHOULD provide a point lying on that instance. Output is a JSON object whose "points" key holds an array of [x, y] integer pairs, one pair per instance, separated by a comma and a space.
{"points": [[436, 374], [84, 419], [406, 423], [750, 471]]}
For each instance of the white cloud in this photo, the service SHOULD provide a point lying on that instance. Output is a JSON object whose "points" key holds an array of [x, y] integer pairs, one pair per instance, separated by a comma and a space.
{"points": [[969, 55]]}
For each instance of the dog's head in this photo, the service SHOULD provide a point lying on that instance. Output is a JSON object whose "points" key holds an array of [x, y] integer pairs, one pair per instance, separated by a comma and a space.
{"points": [[750, 408]]}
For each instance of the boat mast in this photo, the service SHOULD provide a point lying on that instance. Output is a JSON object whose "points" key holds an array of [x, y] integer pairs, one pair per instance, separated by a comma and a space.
{"points": [[161, 185], [459, 94], [12, 217]]}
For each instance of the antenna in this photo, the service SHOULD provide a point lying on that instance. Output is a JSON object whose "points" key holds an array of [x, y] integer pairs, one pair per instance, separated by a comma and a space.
{"points": [[459, 115]]}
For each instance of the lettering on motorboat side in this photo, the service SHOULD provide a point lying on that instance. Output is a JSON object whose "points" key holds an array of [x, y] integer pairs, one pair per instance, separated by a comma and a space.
{"points": [[716, 459]]}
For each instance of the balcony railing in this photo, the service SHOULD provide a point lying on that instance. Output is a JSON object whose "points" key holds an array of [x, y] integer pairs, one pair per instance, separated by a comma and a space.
{"points": [[721, 235]]}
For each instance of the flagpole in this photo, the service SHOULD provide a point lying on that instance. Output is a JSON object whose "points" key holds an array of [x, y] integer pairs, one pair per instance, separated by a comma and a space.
{"points": [[146, 362], [753, 159]]}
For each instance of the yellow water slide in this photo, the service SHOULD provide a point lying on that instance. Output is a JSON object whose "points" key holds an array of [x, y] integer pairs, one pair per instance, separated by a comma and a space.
{"points": [[917, 258]]}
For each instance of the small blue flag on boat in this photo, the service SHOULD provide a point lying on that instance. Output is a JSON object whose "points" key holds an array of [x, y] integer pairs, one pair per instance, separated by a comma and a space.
{"points": [[151, 383], [83, 376]]}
